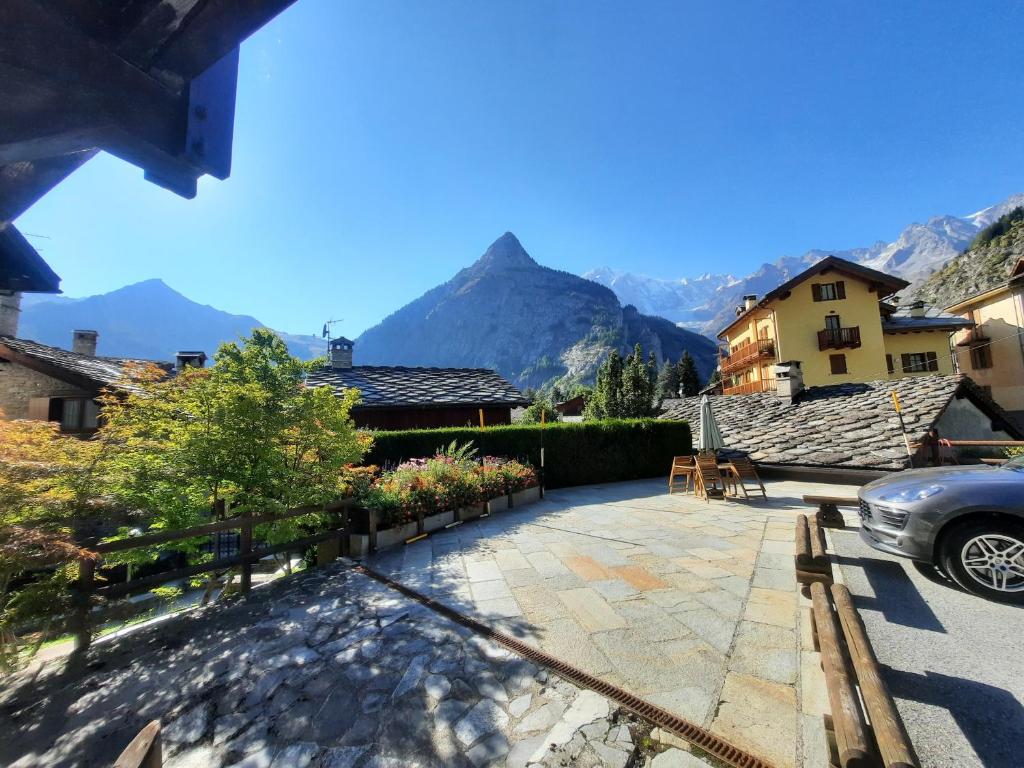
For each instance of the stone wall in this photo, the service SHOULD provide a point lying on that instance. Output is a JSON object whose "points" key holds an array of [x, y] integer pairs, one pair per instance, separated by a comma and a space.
{"points": [[19, 384]]}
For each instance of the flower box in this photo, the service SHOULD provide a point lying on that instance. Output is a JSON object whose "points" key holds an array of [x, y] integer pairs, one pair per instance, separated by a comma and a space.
{"points": [[472, 512], [499, 504], [525, 496], [359, 539]]}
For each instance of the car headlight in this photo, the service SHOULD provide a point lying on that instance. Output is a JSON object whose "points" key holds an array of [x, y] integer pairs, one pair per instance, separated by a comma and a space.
{"points": [[912, 494]]}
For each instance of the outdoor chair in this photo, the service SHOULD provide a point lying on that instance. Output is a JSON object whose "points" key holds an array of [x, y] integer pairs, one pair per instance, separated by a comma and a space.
{"points": [[682, 467], [709, 479], [744, 473]]}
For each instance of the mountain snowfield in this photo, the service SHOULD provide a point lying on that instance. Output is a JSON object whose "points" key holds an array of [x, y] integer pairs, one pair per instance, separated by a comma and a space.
{"points": [[706, 303]]}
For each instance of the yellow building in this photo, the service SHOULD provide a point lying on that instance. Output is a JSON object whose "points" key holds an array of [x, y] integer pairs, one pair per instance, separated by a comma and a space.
{"points": [[992, 352], [837, 320]]}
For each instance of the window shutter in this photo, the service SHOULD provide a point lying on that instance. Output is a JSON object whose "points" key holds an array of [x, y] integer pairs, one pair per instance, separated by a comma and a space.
{"points": [[933, 361], [816, 291], [39, 408], [905, 362], [888, 363], [840, 289], [838, 363]]}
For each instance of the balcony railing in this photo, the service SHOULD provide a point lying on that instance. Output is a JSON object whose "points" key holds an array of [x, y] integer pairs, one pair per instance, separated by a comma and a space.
{"points": [[750, 387], [839, 338], [746, 355]]}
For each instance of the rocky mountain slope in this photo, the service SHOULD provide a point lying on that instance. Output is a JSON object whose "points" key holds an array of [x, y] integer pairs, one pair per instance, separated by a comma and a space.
{"points": [[531, 323], [920, 250], [986, 264], [148, 320]]}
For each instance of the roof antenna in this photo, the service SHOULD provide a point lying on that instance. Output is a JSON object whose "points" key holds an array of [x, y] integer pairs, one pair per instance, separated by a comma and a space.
{"points": [[326, 334]]}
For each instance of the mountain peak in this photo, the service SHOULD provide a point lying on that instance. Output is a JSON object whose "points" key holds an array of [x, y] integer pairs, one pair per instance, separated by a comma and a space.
{"points": [[506, 251]]}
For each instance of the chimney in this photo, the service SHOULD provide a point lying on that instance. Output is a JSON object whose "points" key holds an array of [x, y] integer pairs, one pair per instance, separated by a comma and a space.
{"points": [[195, 359], [341, 353], [917, 309], [84, 342], [10, 310], [749, 301], [789, 380]]}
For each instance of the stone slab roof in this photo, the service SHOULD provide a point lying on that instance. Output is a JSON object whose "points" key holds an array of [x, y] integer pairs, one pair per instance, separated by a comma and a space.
{"points": [[384, 386], [933, 320], [99, 371], [842, 425]]}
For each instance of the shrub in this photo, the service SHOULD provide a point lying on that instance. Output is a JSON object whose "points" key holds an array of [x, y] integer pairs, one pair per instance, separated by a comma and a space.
{"points": [[578, 453]]}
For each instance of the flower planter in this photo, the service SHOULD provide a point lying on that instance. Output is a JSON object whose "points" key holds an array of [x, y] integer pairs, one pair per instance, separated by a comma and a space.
{"points": [[436, 522], [525, 496], [499, 504], [359, 541], [472, 512]]}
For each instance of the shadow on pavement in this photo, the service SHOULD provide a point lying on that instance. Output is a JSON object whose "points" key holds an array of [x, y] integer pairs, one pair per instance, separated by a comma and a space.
{"points": [[896, 597], [991, 719]]}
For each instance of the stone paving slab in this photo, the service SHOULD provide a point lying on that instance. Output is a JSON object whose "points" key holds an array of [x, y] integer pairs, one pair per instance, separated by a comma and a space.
{"points": [[692, 605], [327, 669]]}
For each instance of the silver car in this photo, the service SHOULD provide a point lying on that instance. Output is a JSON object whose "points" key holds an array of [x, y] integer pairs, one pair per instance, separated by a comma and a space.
{"points": [[967, 520]]}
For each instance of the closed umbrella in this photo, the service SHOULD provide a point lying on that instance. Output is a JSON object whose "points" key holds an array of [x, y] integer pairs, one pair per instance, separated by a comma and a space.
{"points": [[709, 439]]}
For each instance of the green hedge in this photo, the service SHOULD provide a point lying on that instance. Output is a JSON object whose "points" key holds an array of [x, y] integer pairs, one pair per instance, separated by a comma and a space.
{"points": [[578, 453]]}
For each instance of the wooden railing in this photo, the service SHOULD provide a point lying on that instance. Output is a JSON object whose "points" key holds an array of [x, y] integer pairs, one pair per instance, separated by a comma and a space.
{"points": [[86, 587], [750, 387], [839, 338], [746, 354]]}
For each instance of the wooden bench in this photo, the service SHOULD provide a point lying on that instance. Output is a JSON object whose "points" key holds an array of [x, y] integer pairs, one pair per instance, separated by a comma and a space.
{"points": [[865, 728], [828, 508], [810, 558]]}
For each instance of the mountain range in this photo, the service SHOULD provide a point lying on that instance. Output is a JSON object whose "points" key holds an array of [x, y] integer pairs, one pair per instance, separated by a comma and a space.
{"points": [[531, 323], [706, 303], [147, 320]]}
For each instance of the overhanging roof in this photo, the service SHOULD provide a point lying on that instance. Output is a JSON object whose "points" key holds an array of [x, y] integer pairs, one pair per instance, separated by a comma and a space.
{"points": [[21, 266], [151, 81]]}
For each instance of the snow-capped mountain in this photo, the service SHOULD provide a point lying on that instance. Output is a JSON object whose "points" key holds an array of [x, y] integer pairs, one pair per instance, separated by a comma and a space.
{"points": [[684, 301], [706, 303]]}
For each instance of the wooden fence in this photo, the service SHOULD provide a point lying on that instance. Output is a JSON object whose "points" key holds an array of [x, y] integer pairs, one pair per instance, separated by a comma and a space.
{"points": [[330, 543]]}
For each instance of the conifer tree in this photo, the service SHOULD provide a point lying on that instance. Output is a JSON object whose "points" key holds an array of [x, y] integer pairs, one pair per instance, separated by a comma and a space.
{"points": [[689, 380], [668, 381]]}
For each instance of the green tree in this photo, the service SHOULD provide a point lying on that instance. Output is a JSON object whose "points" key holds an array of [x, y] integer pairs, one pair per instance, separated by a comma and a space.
{"points": [[623, 388], [668, 381], [540, 405], [689, 380], [245, 436]]}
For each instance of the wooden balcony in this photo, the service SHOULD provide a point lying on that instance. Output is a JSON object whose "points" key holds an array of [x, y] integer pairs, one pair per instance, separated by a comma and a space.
{"points": [[973, 337], [839, 338], [746, 355], [750, 388]]}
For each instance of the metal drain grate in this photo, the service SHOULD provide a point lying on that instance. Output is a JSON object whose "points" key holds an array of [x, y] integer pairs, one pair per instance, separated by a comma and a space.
{"points": [[662, 718]]}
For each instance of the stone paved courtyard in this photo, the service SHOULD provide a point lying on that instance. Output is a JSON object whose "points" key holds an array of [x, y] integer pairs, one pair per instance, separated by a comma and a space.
{"points": [[690, 605]]}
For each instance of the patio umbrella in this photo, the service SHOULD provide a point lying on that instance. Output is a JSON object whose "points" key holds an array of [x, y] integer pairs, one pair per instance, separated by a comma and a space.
{"points": [[709, 439]]}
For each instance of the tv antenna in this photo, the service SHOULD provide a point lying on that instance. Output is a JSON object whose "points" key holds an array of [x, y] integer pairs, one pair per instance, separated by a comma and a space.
{"points": [[326, 334]]}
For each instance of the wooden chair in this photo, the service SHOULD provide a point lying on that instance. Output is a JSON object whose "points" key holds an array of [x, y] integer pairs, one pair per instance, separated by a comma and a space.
{"points": [[744, 473], [682, 466], [709, 479]]}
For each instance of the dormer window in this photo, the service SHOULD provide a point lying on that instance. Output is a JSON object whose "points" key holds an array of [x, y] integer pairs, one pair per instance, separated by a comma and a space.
{"points": [[829, 291]]}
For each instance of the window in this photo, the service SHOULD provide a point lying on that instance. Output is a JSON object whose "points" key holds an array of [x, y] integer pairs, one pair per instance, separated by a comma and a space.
{"points": [[833, 323], [919, 362], [75, 414], [981, 357], [838, 363], [889, 365], [828, 291]]}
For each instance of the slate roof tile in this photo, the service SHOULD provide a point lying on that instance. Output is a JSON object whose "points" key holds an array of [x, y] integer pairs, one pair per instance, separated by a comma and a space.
{"points": [[102, 371], [399, 386], [850, 425]]}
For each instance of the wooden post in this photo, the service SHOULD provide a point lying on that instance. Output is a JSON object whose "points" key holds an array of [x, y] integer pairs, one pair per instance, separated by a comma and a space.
{"points": [[373, 530], [481, 418], [83, 604], [245, 550], [852, 739], [144, 751]]}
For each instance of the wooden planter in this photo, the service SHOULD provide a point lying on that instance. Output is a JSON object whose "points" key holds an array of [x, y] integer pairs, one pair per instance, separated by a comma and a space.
{"points": [[525, 496], [471, 512], [369, 537]]}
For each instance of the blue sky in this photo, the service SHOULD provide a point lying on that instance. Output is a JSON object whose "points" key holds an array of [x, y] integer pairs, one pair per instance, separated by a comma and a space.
{"points": [[381, 146]]}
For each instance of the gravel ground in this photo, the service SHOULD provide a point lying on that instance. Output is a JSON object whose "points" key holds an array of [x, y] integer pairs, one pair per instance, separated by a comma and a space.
{"points": [[952, 661]]}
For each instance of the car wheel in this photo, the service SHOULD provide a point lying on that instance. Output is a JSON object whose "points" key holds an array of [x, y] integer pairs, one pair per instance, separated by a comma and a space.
{"points": [[987, 558]]}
